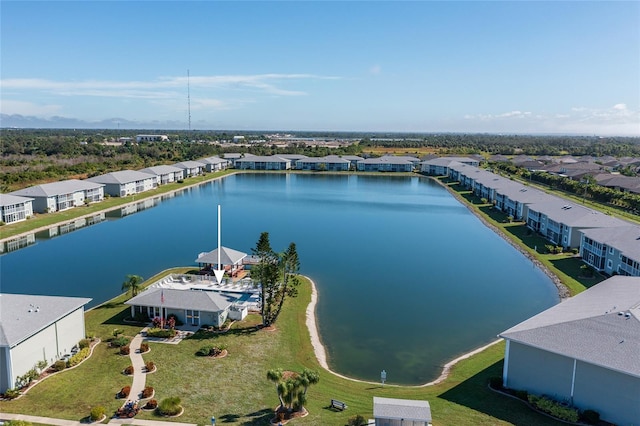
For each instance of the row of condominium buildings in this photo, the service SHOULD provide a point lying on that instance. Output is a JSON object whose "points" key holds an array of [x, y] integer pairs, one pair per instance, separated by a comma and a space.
{"points": [[608, 244]]}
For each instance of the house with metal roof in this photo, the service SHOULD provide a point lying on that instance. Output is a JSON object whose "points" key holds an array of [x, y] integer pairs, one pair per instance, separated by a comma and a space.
{"points": [[259, 162], [401, 412], [192, 307], [125, 182], [386, 163], [14, 208], [327, 163], [164, 174], [36, 328], [612, 250], [62, 195], [560, 221], [584, 351]]}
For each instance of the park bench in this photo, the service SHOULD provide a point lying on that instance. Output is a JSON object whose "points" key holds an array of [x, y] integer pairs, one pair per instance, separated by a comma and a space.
{"points": [[338, 404]]}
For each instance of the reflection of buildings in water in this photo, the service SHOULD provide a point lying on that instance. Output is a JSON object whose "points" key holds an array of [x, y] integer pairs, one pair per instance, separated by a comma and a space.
{"points": [[18, 243], [95, 219], [72, 226], [134, 208]]}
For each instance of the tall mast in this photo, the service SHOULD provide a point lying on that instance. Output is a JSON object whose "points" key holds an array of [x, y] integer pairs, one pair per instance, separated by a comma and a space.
{"points": [[189, 100]]}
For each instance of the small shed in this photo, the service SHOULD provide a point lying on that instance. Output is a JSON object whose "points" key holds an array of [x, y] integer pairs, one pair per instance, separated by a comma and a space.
{"points": [[401, 412]]}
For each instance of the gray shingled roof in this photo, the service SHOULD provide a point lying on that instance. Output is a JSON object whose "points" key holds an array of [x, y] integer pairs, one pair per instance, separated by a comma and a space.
{"points": [[589, 326], [263, 158], [23, 315], [576, 215], [387, 159], [10, 200], [190, 164], [208, 301], [327, 159], [213, 160], [407, 409], [161, 170], [57, 188], [624, 238], [227, 256], [524, 194], [121, 177]]}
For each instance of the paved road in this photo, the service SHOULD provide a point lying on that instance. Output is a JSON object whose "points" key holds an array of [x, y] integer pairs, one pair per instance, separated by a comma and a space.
{"points": [[62, 422]]}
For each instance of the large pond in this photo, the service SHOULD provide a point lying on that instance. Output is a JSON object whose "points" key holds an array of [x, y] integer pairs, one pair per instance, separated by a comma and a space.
{"points": [[408, 278]]}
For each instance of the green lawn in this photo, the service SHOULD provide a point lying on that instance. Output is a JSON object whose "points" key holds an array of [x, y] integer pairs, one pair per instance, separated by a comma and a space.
{"points": [[235, 388]]}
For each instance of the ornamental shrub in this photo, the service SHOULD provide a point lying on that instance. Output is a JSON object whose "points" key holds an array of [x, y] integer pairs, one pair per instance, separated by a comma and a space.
{"points": [[357, 420], [147, 392], [151, 404], [170, 406], [124, 350], [129, 370], [161, 333], [11, 394], [59, 365], [205, 350], [149, 365], [144, 347], [97, 413], [554, 408], [124, 392], [590, 416], [119, 341], [84, 343], [79, 357]]}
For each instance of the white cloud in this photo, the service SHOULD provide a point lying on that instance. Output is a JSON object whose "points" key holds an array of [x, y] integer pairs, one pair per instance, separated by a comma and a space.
{"points": [[615, 120], [375, 69], [162, 87], [9, 106]]}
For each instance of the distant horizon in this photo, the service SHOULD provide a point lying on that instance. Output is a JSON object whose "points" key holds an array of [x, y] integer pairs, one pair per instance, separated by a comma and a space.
{"points": [[87, 126], [372, 66]]}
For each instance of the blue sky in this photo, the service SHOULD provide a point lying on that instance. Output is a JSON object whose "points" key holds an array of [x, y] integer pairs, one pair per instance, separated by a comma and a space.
{"points": [[500, 67]]}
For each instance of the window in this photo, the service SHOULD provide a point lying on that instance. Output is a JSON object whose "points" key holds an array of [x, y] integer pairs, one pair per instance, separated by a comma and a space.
{"points": [[609, 264], [611, 250]]}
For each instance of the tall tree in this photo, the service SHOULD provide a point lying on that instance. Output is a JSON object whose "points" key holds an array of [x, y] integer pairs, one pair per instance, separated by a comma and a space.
{"points": [[266, 273], [132, 284], [290, 266]]}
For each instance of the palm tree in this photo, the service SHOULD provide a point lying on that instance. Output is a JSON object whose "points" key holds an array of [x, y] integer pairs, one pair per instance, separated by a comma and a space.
{"points": [[132, 284], [290, 264], [275, 376], [306, 379]]}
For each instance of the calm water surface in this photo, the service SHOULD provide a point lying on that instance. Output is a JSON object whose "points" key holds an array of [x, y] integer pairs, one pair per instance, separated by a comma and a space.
{"points": [[408, 278]]}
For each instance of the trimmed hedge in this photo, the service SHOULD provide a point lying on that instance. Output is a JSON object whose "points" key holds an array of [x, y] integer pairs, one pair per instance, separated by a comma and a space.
{"points": [[554, 408], [79, 357], [161, 332]]}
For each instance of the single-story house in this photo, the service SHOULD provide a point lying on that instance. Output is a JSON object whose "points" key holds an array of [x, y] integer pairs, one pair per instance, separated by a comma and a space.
{"points": [[191, 168], [612, 250], [401, 412], [125, 182], [63, 195], [36, 328], [192, 307], [584, 351], [14, 208], [164, 174]]}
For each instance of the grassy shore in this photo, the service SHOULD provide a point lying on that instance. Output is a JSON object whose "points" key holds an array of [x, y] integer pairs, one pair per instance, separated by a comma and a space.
{"points": [[235, 388]]}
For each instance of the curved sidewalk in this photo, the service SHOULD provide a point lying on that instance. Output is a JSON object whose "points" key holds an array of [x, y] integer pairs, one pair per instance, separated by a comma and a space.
{"points": [[63, 422], [139, 371]]}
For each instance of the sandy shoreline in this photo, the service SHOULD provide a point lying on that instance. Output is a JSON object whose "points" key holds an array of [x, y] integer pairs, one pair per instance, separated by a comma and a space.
{"points": [[321, 353]]}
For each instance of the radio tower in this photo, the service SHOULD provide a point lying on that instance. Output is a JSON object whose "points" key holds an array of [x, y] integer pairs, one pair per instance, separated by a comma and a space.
{"points": [[189, 100]]}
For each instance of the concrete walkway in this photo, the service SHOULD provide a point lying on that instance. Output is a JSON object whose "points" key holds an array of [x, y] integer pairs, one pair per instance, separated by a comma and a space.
{"points": [[139, 371], [62, 422]]}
